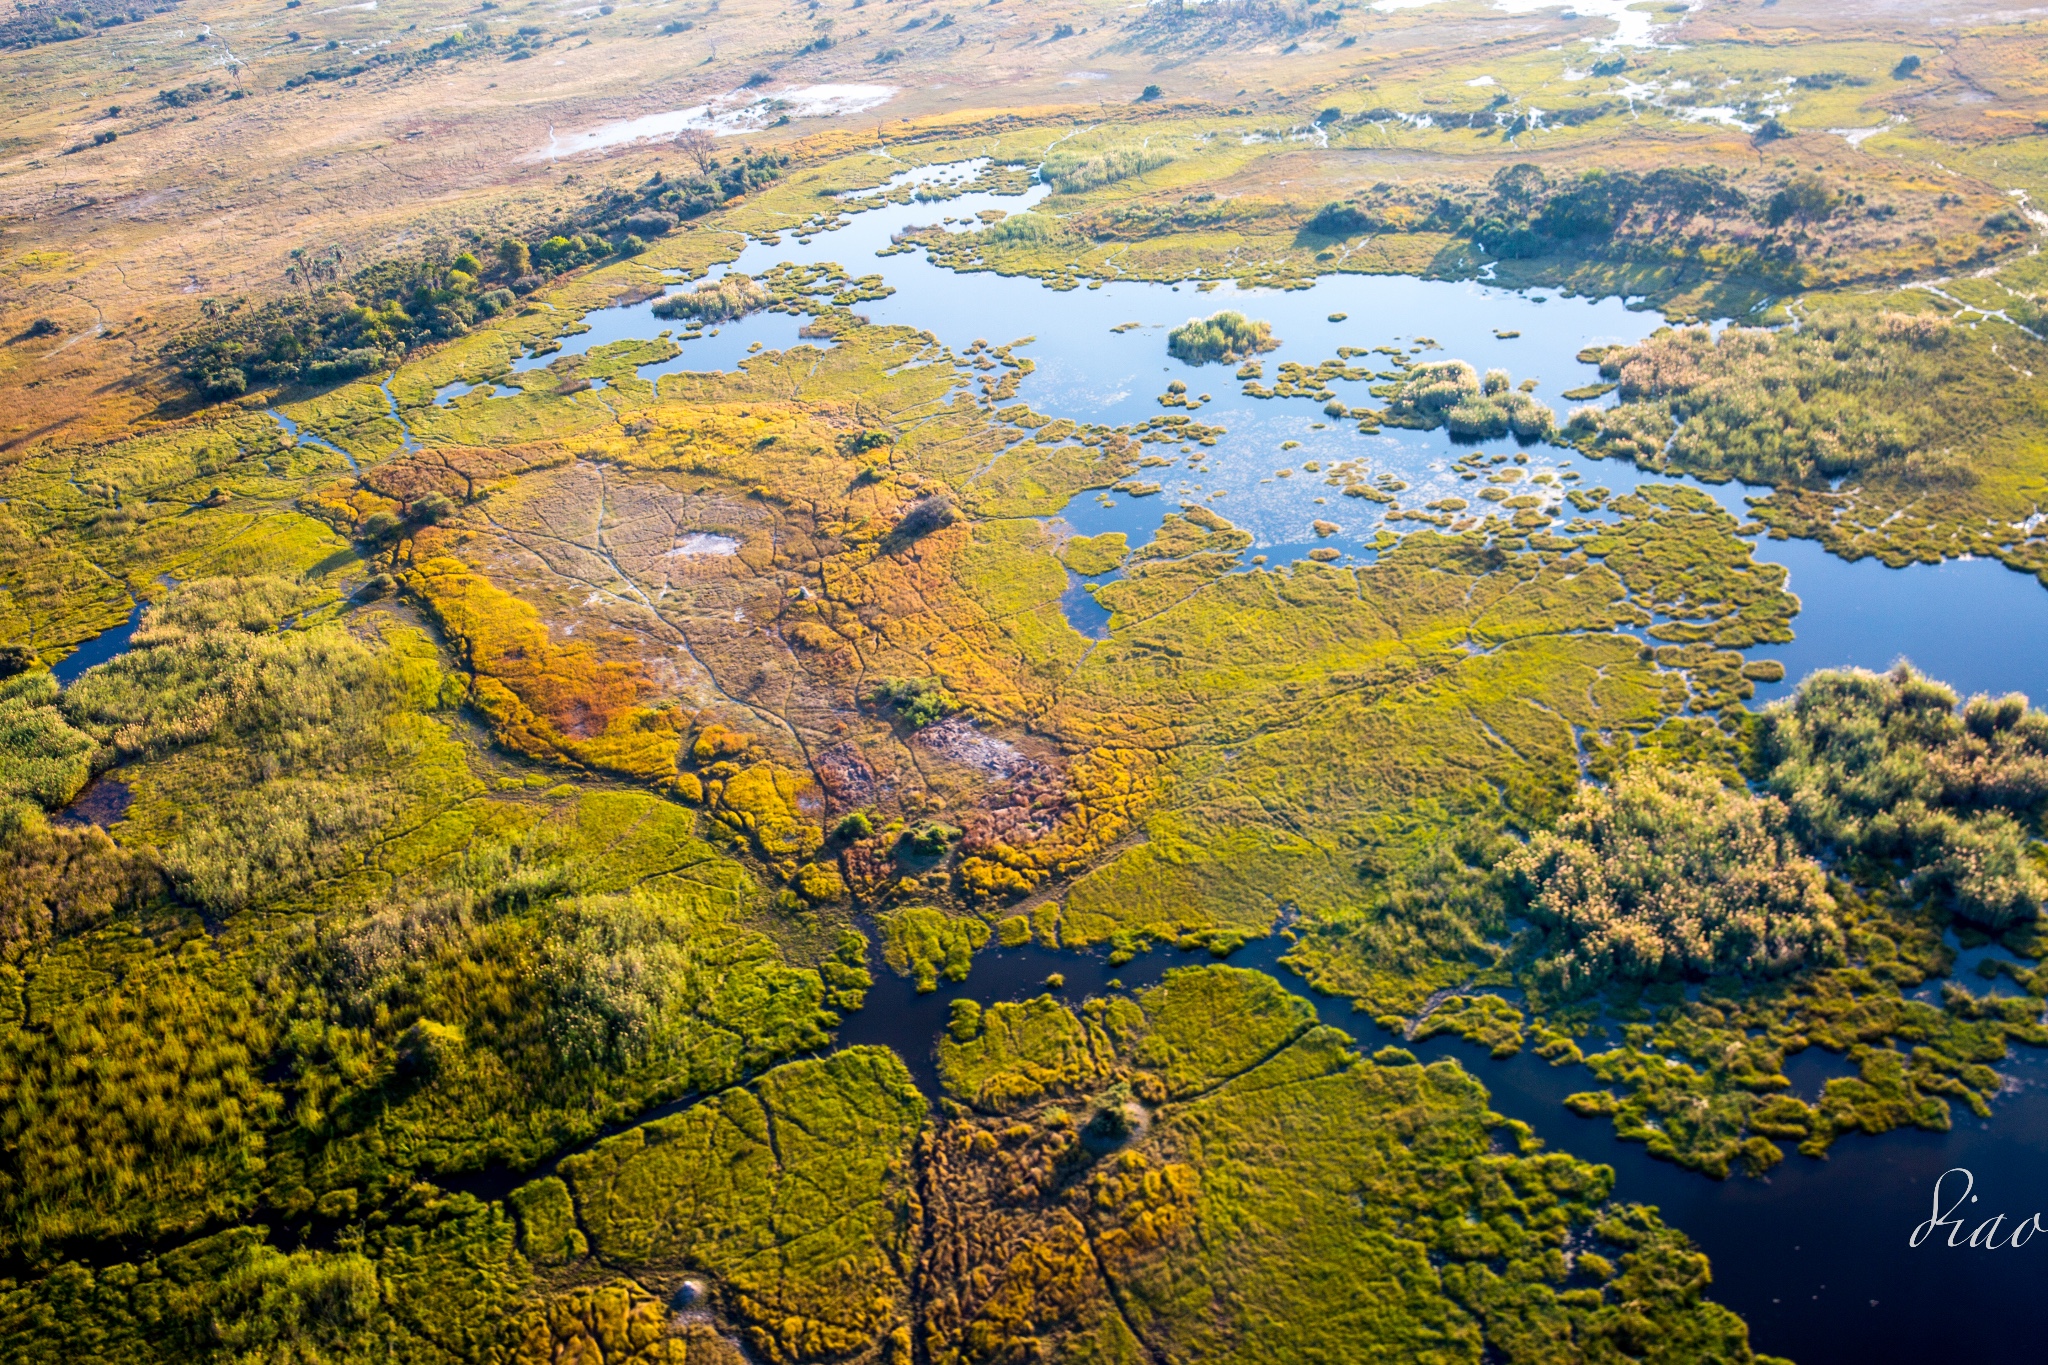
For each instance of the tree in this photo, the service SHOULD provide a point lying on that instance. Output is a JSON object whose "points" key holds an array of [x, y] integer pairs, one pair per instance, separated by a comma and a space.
{"points": [[698, 144], [1805, 197], [514, 256]]}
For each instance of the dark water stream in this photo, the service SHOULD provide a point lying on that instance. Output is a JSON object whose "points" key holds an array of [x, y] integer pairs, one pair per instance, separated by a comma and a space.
{"points": [[97, 650], [1814, 1257]]}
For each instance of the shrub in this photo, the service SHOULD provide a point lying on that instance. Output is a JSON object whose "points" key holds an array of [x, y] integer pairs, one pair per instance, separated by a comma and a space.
{"points": [[1671, 874], [917, 701], [1477, 419], [720, 300], [430, 510], [221, 383], [1024, 229], [930, 839], [1071, 173], [929, 513], [1340, 220], [1885, 768], [43, 760], [1225, 336], [1451, 393], [1805, 197], [1843, 395], [341, 328], [1527, 212]]}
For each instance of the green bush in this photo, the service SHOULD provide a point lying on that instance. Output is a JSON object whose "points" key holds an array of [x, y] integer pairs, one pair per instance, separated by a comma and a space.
{"points": [[721, 300], [1843, 395], [917, 701], [339, 329], [1024, 229], [1429, 394], [1886, 768], [1225, 336], [43, 760], [1671, 874], [1072, 173]]}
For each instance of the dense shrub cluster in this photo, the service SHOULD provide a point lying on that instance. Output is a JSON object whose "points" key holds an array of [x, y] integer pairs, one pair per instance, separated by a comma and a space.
{"points": [[34, 25], [1886, 769], [341, 329], [1842, 395], [1024, 229], [1073, 173], [932, 512], [1527, 213], [298, 717], [720, 300], [1670, 874], [1391, 210], [1452, 394], [1778, 227], [364, 324], [1224, 336], [665, 199], [919, 701]]}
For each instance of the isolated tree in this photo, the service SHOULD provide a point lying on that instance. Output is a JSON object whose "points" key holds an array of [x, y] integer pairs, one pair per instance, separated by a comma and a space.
{"points": [[698, 144], [514, 256]]}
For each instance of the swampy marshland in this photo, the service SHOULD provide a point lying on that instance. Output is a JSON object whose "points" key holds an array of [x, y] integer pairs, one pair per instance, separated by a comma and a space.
{"points": [[865, 682]]}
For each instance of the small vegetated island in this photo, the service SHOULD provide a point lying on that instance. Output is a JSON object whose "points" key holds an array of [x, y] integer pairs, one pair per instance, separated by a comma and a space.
{"points": [[506, 830], [1224, 336]]}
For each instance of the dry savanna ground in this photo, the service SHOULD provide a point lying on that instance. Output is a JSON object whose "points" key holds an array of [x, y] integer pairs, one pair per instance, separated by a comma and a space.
{"points": [[208, 150]]}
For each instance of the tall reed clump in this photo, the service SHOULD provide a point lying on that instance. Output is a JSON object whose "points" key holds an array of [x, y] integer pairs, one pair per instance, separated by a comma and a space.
{"points": [[1225, 336]]}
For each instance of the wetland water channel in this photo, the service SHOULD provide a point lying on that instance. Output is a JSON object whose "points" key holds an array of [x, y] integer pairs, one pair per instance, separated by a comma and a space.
{"points": [[1815, 1257]]}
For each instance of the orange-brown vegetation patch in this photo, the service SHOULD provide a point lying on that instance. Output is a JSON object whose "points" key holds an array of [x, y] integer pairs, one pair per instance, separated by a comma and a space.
{"points": [[550, 700]]}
